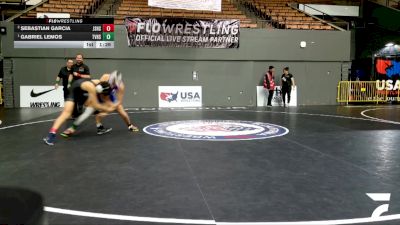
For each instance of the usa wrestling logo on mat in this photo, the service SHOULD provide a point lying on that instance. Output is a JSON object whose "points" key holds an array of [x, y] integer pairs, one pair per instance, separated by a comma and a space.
{"points": [[216, 130]]}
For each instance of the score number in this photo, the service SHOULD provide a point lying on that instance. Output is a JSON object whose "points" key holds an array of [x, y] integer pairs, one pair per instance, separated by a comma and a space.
{"points": [[108, 37], [108, 32], [108, 27], [102, 37]]}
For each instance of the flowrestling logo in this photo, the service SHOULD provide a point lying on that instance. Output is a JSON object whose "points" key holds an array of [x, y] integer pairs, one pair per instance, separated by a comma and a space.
{"points": [[216, 130], [182, 32]]}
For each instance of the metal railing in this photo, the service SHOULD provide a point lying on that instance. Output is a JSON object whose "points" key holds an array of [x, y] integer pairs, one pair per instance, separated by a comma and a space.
{"points": [[261, 23], [336, 22], [364, 91], [91, 10], [395, 4], [26, 10], [256, 18], [266, 19]]}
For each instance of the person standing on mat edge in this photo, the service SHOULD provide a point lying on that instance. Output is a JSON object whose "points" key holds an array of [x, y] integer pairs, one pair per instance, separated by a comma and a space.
{"points": [[65, 75], [287, 84], [79, 71], [269, 83]]}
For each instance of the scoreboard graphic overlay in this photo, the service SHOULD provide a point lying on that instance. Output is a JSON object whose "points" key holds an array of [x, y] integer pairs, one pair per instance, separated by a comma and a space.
{"points": [[64, 33]]}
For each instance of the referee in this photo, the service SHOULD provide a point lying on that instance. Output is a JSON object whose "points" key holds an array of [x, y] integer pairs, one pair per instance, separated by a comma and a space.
{"points": [[65, 75], [79, 71]]}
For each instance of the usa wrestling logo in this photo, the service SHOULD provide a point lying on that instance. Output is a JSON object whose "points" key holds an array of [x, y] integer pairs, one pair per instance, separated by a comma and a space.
{"points": [[216, 130], [169, 97]]}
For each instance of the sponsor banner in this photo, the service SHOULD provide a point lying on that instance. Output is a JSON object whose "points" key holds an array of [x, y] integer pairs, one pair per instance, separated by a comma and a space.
{"points": [[207, 5], [180, 96], [182, 33], [388, 74], [41, 96], [216, 130], [262, 97]]}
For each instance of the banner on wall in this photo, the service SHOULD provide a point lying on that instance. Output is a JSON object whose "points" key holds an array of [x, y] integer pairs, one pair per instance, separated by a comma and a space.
{"points": [[387, 72], [210, 5], [182, 33], [262, 97], [180, 96], [41, 96], [53, 15]]}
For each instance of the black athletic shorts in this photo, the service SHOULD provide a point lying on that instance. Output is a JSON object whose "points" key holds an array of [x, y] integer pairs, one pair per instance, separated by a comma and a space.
{"points": [[76, 94]]}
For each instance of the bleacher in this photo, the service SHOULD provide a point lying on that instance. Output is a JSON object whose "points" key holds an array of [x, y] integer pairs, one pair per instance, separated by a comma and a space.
{"points": [[18, 2], [285, 17], [330, 2], [11, 7], [140, 8], [278, 12], [76, 8]]}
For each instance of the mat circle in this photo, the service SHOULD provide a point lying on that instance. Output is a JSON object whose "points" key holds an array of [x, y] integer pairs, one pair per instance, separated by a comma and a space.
{"points": [[216, 130]]}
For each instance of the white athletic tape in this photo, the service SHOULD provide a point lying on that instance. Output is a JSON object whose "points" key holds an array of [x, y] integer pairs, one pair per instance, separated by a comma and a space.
{"points": [[197, 221], [363, 113], [126, 218]]}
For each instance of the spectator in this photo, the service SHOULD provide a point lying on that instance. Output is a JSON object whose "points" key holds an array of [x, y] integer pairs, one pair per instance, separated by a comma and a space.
{"points": [[287, 84], [269, 83]]}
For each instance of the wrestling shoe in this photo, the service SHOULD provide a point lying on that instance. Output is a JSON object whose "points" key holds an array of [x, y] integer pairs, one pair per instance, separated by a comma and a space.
{"points": [[68, 132], [50, 139], [133, 128], [102, 130]]}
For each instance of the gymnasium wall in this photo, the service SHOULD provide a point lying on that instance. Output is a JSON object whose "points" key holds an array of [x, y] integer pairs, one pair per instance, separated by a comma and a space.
{"points": [[223, 73]]}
